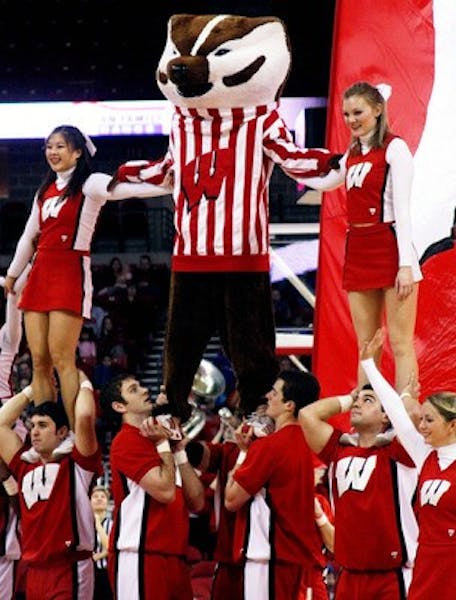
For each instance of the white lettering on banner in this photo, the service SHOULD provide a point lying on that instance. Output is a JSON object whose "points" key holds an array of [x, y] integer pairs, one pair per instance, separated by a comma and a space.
{"points": [[52, 207], [356, 174], [38, 484], [432, 490], [354, 472]]}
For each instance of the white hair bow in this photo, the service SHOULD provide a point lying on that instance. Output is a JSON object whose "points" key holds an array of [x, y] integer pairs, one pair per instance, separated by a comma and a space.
{"points": [[385, 90], [91, 148]]}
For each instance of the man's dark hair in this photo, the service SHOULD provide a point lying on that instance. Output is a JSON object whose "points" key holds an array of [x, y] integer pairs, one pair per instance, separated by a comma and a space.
{"points": [[301, 387], [54, 411], [109, 393], [195, 452]]}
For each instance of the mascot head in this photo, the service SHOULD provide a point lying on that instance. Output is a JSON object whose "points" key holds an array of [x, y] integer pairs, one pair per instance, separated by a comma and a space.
{"points": [[224, 61]]}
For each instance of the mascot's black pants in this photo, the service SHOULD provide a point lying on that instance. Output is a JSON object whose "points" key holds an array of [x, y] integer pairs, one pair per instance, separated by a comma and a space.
{"points": [[238, 307]]}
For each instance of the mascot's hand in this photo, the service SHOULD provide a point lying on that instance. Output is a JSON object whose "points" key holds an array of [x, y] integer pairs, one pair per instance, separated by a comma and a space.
{"points": [[128, 172], [334, 162]]}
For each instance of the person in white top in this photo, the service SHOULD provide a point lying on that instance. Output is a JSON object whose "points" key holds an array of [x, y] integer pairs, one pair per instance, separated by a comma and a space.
{"points": [[381, 270], [10, 336], [433, 449], [58, 293]]}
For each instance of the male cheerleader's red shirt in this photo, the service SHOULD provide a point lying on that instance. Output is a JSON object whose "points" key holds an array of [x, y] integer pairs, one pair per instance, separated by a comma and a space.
{"points": [[278, 473], [368, 514], [140, 522], [56, 514]]}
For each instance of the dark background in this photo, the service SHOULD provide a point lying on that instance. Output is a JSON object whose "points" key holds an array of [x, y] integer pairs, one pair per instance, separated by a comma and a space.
{"points": [[75, 50], [108, 50]]}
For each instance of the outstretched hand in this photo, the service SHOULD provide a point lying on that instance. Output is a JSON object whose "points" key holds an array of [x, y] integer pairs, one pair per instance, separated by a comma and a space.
{"points": [[128, 172], [9, 285], [334, 161], [413, 387], [244, 436], [153, 430], [112, 184], [371, 347]]}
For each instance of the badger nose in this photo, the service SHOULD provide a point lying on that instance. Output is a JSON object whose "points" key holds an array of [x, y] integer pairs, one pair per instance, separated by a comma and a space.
{"points": [[179, 73]]}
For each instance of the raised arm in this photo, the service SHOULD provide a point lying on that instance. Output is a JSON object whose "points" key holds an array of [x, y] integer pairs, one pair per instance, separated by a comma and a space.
{"points": [[192, 487], [403, 425], [235, 495], [96, 187], [331, 181], [159, 482], [10, 442], [85, 437], [313, 419]]}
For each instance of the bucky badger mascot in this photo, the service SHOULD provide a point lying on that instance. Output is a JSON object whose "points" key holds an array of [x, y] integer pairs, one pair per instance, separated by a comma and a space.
{"points": [[224, 75]]}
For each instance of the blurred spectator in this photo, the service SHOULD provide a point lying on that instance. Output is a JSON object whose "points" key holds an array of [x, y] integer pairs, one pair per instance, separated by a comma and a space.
{"points": [[97, 315], [118, 276], [152, 282], [120, 360], [120, 273], [143, 272], [282, 314], [103, 372], [87, 351], [136, 321], [99, 501], [108, 336]]}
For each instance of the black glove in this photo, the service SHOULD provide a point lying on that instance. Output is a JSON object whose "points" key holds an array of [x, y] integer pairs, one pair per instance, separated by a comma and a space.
{"points": [[334, 161]]}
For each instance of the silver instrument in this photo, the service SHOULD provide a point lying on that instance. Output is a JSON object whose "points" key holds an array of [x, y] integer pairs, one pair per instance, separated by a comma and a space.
{"points": [[208, 384]]}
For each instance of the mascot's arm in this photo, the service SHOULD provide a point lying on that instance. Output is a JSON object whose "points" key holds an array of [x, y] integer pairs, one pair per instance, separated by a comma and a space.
{"points": [[296, 162], [136, 171], [330, 181], [96, 187]]}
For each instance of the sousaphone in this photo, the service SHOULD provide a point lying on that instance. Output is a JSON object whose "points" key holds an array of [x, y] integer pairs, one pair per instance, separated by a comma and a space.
{"points": [[208, 384]]}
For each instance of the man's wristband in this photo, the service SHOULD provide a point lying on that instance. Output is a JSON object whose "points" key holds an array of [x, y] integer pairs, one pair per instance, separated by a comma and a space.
{"points": [[163, 447], [27, 391], [10, 485], [322, 520], [405, 395], [180, 457], [345, 402]]}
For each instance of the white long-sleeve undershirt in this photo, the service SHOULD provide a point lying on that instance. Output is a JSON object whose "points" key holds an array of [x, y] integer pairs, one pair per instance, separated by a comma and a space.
{"points": [[409, 437]]}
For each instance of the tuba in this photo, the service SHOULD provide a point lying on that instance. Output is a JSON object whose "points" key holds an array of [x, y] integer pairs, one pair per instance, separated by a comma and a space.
{"points": [[208, 384]]}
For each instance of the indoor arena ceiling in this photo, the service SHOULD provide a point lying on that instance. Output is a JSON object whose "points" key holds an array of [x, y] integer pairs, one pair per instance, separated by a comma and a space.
{"points": [[108, 50]]}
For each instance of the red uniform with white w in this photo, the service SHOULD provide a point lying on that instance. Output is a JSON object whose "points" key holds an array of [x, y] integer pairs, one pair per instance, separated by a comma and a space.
{"points": [[56, 515], [436, 510], [60, 278], [368, 513], [434, 575], [143, 526], [222, 162], [368, 192]]}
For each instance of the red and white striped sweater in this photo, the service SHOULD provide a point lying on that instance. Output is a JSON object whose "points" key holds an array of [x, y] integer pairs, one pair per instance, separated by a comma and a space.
{"points": [[222, 161]]}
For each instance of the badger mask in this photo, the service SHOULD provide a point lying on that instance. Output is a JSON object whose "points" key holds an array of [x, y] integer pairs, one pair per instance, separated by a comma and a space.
{"points": [[224, 61]]}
